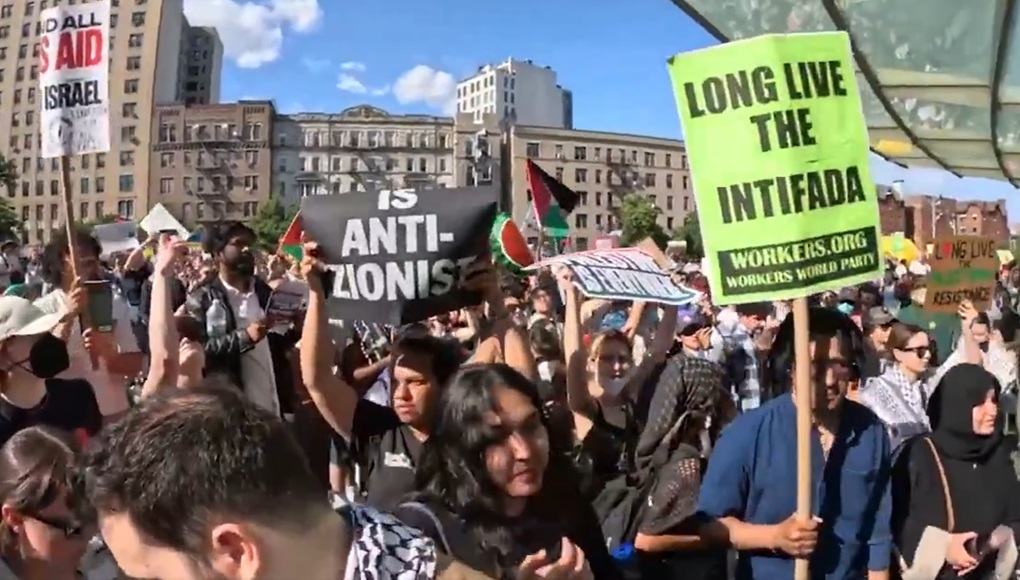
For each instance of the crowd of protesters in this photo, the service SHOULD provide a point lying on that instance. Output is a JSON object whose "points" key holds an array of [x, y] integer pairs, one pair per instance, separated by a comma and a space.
{"points": [[540, 434]]}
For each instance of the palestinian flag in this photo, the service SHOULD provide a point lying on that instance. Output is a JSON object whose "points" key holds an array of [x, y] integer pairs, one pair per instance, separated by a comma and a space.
{"points": [[508, 246], [553, 201], [290, 243]]}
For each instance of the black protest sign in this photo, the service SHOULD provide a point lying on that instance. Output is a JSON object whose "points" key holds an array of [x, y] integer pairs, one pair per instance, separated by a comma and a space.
{"points": [[399, 256]]}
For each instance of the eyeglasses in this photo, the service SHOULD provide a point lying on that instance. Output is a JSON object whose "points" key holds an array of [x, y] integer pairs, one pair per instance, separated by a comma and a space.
{"points": [[70, 530], [920, 351]]}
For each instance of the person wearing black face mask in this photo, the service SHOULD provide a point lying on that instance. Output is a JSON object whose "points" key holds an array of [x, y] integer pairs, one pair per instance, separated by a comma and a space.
{"points": [[30, 359], [232, 310]]}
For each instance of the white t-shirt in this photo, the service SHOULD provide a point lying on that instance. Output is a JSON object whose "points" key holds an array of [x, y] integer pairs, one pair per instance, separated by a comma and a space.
{"points": [[110, 388], [256, 364]]}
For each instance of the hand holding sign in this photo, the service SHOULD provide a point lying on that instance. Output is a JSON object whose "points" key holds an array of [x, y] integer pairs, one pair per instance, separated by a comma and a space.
{"points": [[169, 255], [311, 266]]}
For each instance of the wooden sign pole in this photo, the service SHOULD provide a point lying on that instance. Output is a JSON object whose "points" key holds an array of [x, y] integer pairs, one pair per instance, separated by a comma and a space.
{"points": [[804, 402], [72, 252]]}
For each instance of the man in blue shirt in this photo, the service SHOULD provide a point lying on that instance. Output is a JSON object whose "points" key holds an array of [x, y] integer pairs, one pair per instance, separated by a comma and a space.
{"points": [[749, 492]]}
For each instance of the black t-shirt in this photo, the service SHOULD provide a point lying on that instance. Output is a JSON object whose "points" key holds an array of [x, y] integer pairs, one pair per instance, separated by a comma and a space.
{"points": [[69, 405], [388, 453]]}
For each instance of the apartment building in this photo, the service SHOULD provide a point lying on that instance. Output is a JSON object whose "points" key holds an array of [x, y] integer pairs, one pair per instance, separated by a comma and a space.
{"points": [[145, 41], [358, 149], [212, 162], [201, 65], [519, 90], [923, 218], [602, 168]]}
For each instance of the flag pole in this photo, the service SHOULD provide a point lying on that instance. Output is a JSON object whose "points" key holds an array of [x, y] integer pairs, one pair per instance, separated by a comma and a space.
{"points": [[506, 199]]}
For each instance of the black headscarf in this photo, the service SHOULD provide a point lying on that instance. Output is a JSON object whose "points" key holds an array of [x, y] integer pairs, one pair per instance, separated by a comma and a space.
{"points": [[950, 412], [689, 389]]}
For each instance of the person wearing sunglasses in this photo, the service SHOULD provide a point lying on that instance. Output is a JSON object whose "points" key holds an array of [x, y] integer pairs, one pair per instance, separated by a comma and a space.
{"points": [[44, 529], [900, 394]]}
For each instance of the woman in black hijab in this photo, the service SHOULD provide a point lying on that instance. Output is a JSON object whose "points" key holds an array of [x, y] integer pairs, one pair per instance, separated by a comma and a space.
{"points": [[953, 487]]}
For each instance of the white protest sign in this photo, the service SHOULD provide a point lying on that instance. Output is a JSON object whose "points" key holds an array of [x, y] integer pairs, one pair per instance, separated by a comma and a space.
{"points": [[160, 220], [74, 73], [116, 237], [622, 274]]}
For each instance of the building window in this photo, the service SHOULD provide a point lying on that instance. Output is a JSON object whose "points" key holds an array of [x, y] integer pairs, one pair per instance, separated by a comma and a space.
{"points": [[129, 110], [580, 221], [533, 150], [669, 180], [649, 180], [127, 134], [54, 187], [166, 185], [100, 188], [134, 62], [126, 207], [581, 175], [84, 185], [126, 184], [83, 210], [580, 153], [127, 158], [135, 40], [137, 19], [131, 86], [166, 159]]}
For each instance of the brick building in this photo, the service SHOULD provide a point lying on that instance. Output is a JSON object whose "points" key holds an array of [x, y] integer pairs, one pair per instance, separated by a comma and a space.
{"points": [[922, 218]]}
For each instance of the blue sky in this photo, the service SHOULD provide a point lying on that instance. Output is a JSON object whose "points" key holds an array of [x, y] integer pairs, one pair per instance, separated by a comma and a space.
{"points": [[405, 56]]}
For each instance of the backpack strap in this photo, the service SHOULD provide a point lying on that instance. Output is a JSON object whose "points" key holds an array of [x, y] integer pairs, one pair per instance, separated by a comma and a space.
{"points": [[950, 514], [424, 510]]}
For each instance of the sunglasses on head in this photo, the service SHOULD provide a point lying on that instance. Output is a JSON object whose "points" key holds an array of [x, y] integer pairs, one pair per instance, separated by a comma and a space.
{"points": [[70, 529]]}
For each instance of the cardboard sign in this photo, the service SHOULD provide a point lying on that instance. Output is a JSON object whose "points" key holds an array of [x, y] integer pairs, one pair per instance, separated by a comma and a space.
{"points": [[622, 274], [400, 256], [74, 79], [785, 201], [962, 268]]}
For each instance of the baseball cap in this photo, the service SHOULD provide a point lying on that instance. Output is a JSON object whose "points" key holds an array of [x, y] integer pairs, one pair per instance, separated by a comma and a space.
{"points": [[18, 317], [878, 316]]}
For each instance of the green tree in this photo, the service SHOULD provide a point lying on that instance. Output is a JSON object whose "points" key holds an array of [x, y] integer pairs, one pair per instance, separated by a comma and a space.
{"points": [[639, 219], [271, 223], [690, 232], [10, 224]]}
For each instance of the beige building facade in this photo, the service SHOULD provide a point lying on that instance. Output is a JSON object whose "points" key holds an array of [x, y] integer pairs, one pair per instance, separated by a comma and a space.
{"points": [[602, 168], [212, 162], [145, 62], [358, 149]]}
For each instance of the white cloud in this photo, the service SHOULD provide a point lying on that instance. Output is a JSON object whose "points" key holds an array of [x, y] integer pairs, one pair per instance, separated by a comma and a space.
{"points": [[424, 84], [349, 84], [315, 65], [252, 30], [352, 66], [380, 91]]}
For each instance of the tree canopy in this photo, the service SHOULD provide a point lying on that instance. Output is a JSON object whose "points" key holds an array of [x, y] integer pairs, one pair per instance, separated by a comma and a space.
{"points": [[639, 219], [690, 232], [10, 222], [271, 223]]}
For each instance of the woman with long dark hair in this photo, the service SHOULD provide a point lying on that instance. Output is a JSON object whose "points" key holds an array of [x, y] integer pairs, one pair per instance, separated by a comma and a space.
{"points": [[44, 527], [498, 489]]}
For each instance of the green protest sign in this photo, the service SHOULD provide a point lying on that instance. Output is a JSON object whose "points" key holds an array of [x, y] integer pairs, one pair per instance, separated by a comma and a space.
{"points": [[778, 150]]}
